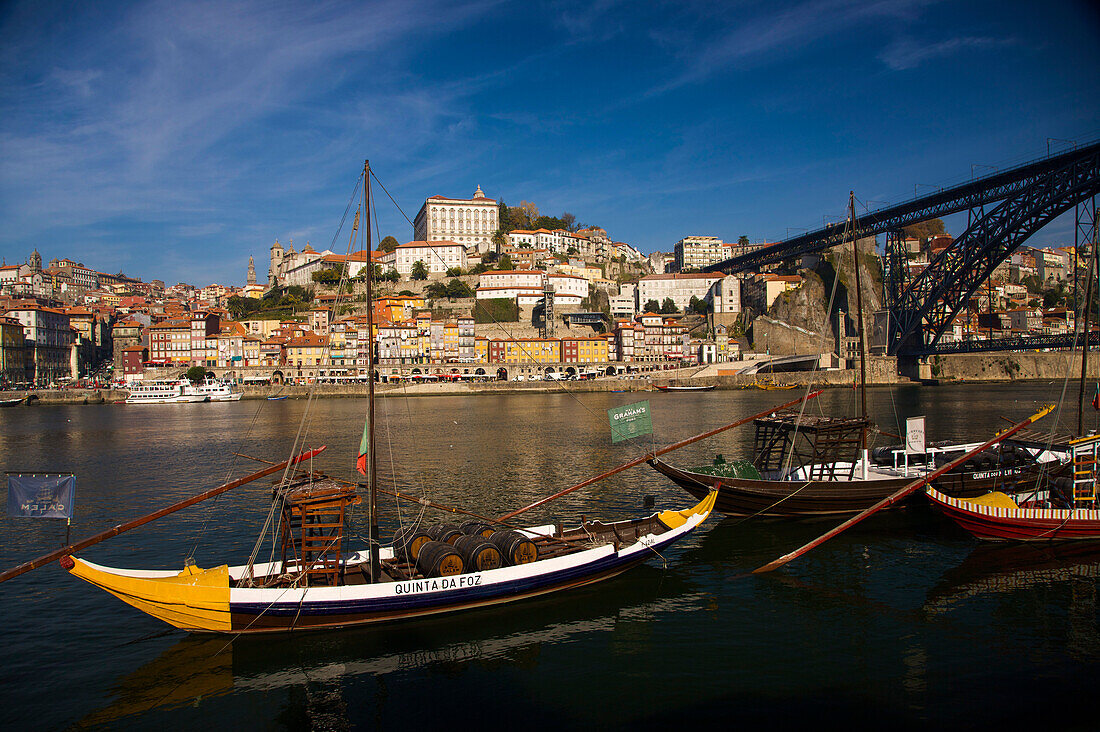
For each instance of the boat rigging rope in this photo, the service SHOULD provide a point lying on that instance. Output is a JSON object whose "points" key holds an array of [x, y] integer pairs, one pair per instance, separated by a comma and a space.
{"points": [[306, 421], [561, 385]]}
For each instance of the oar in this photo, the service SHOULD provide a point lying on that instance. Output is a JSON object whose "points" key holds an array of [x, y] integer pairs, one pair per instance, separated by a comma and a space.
{"points": [[122, 528], [662, 451], [902, 493]]}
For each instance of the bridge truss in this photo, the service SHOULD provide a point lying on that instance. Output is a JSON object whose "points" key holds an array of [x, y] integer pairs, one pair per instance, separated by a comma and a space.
{"points": [[1006, 208]]}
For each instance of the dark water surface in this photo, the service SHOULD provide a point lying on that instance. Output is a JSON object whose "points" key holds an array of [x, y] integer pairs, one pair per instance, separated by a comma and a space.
{"points": [[903, 622]]}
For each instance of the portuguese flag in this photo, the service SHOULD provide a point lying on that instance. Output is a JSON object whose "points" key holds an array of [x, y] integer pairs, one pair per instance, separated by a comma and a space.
{"points": [[361, 462]]}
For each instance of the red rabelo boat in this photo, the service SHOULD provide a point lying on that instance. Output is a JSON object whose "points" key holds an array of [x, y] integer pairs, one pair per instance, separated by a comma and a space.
{"points": [[1066, 510]]}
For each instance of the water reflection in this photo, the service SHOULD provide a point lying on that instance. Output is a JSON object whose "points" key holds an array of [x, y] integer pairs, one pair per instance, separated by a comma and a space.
{"points": [[320, 667], [1005, 568]]}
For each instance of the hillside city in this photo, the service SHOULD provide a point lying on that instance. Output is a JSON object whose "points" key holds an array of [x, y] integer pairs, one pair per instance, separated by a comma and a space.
{"points": [[482, 291]]}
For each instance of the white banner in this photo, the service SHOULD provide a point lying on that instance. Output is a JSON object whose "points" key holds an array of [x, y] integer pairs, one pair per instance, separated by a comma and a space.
{"points": [[914, 436]]}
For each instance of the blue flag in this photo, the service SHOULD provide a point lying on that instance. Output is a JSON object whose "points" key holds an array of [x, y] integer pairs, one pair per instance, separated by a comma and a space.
{"points": [[41, 496]]}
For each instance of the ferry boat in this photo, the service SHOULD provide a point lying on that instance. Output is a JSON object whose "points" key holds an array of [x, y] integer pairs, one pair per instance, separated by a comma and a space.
{"points": [[165, 392], [219, 391]]}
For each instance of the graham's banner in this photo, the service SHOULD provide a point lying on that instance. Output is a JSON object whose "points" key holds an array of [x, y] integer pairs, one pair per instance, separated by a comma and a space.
{"points": [[630, 421], [41, 496]]}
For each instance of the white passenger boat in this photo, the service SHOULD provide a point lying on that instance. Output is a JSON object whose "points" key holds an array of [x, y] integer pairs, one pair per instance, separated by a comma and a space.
{"points": [[219, 391], [165, 392]]}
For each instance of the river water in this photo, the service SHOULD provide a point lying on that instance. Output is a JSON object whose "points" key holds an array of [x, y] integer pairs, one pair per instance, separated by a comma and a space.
{"points": [[902, 622]]}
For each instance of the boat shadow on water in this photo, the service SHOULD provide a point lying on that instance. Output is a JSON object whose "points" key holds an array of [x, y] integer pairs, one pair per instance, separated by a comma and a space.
{"points": [[1002, 569], [314, 669]]}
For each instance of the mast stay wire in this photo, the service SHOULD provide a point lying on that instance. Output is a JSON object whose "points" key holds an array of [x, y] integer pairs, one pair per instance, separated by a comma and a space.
{"points": [[561, 386]]}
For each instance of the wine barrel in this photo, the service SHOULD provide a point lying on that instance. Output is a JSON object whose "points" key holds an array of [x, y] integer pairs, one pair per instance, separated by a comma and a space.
{"points": [[444, 532], [481, 528], [478, 553], [515, 547], [407, 542], [439, 559]]}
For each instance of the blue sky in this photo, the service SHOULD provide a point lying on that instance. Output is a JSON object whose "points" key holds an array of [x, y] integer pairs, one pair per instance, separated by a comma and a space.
{"points": [[173, 139]]}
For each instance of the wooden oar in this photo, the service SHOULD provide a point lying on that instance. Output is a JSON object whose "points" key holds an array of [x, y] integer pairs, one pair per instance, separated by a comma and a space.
{"points": [[122, 528], [662, 451], [902, 493]]}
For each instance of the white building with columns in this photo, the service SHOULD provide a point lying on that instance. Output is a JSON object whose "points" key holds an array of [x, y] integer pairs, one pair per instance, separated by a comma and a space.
{"points": [[467, 221]]}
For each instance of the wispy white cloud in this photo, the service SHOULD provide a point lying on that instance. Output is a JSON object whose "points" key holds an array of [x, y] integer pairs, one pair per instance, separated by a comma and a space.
{"points": [[747, 36], [907, 53], [148, 111]]}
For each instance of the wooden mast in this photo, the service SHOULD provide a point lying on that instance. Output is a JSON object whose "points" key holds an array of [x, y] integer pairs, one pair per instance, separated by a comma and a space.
{"points": [[859, 320], [1089, 279], [372, 470], [903, 492]]}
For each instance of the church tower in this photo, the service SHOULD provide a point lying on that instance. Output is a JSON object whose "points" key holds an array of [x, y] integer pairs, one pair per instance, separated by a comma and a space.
{"points": [[35, 261], [251, 271], [276, 264]]}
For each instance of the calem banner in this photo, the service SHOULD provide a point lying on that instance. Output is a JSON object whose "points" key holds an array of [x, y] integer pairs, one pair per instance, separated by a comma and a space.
{"points": [[41, 496], [629, 421]]}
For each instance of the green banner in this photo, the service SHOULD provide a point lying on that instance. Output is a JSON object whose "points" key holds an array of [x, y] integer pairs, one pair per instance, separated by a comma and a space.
{"points": [[629, 421]]}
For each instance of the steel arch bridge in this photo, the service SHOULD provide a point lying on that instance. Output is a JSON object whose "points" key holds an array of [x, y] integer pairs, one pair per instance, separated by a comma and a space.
{"points": [[1008, 206]]}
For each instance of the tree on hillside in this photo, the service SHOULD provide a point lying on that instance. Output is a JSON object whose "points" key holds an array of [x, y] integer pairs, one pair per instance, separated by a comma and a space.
{"points": [[489, 257], [668, 306], [925, 229], [326, 276], [419, 270], [239, 307], [505, 262], [388, 244], [455, 272], [700, 307], [570, 221], [530, 212], [652, 306], [195, 373], [456, 288], [742, 241], [499, 239], [435, 290]]}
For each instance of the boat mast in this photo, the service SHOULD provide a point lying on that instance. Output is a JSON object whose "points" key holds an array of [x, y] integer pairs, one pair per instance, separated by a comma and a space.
{"points": [[372, 470], [859, 319], [1089, 279]]}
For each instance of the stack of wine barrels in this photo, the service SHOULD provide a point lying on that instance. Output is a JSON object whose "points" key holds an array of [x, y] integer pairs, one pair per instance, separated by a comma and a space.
{"points": [[445, 532], [515, 548], [439, 559], [479, 553], [477, 527], [408, 541], [442, 550]]}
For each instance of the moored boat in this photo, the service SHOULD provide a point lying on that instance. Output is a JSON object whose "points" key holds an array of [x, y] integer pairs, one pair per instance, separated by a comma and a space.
{"points": [[808, 466], [676, 387], [165, 392], [312, 581], [1063, 508], [11, 402], [272, 597], [218, 391]]}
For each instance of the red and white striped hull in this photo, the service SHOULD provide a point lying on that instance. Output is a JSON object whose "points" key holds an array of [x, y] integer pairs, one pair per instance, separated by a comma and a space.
{"points": [[1005, 523]]}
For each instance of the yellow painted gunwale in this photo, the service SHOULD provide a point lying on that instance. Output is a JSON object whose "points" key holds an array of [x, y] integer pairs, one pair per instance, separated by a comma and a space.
{"points": [[194, 599]]}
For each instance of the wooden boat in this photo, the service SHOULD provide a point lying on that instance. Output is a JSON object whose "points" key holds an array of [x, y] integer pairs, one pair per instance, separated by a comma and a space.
{"points": [[997, 517], [769, 384], [795, 498], [317, 583], [11, 402], [674, 387], [1064, 508], [276, 398], [272, 597]]}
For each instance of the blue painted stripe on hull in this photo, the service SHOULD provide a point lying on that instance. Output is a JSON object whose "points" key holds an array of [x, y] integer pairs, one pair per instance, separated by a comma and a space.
{"points": [[442, 598]]}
